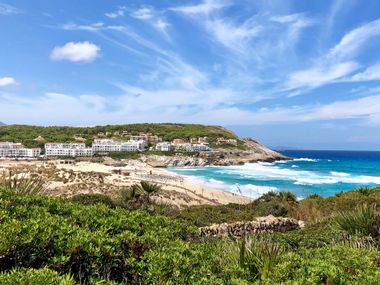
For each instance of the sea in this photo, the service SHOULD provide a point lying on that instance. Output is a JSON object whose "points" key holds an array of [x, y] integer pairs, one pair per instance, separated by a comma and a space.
{"points": [[310, 172]]}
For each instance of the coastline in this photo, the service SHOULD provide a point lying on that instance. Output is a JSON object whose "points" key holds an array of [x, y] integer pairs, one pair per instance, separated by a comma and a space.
{"points": [[110, 178]]}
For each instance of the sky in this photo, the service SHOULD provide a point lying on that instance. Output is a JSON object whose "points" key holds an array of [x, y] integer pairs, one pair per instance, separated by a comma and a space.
{"points": [[292, 74]]}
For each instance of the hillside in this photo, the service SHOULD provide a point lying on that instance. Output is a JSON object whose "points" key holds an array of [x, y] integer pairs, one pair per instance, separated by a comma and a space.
{"points": [[246, 150], [45, 240], [26, 134]]}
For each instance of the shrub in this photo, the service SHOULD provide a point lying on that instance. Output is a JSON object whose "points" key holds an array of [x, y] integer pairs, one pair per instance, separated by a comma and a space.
{"points": [[42, 276], [259, 256], [92, 199], [364, 221]]}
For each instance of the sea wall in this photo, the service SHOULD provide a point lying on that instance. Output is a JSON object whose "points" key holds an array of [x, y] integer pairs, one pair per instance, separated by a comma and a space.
{"points": [[267, 224]]}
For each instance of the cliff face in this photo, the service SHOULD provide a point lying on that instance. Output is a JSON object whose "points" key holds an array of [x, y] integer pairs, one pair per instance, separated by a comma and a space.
{"points": [[253, 152]]}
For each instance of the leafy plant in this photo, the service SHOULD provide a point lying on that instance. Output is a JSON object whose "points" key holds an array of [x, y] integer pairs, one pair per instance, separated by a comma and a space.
{"points": [[363, 221]]}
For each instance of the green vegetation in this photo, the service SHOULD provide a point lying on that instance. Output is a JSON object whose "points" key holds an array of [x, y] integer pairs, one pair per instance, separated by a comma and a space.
{"points": [[94, 240], [26, 134]]}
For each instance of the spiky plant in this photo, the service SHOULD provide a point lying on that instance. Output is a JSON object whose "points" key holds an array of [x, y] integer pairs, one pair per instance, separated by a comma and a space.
{"points": [[363, 221], [21, 183], [259, 256], [138, 196]]}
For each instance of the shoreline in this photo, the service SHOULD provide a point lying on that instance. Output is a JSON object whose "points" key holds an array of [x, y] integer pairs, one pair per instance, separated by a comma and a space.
{"points": [[86, 177]]}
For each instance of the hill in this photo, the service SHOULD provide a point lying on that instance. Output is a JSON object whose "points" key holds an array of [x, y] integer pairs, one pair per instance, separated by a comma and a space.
{"points": [[27, 134], [2, 124]]}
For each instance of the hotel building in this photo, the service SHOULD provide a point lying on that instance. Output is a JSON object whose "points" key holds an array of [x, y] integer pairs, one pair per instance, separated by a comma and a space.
{"points": [[109, 145], [17, 150], [67, 150], [164, 146]]}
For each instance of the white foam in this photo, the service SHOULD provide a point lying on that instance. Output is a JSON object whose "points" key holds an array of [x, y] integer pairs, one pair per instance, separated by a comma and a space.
{"points": [[340, 174], [212, 180], [305, 159], [257, 171]]}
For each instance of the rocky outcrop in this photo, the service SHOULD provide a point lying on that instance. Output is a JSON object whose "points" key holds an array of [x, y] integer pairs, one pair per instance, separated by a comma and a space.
{"points": [[174, 161], [267, 224], [252, 152]]}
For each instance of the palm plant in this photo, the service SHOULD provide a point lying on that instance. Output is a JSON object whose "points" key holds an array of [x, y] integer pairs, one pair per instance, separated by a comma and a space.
{"points": [[259, 256], [22, 183], [364, 220], [138, 196]]}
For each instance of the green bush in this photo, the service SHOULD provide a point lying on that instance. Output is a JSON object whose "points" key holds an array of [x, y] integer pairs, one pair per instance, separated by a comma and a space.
{"points": [[93, 199], [42, 276], [328, 265]]}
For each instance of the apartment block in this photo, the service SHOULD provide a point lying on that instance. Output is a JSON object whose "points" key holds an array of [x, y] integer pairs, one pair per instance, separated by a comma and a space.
{"points": [[17, 150], [67, 150]]}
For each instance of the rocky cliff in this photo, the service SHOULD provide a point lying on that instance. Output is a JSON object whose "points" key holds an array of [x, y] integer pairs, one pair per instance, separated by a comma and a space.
{"points": [[252, 152]]}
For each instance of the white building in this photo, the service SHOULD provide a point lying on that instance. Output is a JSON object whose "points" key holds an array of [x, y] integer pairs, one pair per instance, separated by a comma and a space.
{"points": [[164, 146], [188, 147], [109, 145], [200, 147], [67, 149], [17, 150], [133, 145], [106, 145]]}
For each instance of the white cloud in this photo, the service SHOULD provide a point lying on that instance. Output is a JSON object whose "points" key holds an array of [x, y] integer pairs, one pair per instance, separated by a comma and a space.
{"points": [[284, 19], [321, 75], [371, 73], [206, 7], [232, 36], [207, 106], [76, 52], [351, 43], [7, 81], [144, 13], [6, 9], [95, 27], [118, 13], [153, 17]]}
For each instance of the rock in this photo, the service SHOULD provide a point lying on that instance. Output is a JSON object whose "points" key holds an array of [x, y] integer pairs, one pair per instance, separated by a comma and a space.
{"points": [[267, 224]]}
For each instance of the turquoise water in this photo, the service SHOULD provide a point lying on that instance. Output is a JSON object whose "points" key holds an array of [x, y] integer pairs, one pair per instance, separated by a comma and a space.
{"points": [[320, 172]]}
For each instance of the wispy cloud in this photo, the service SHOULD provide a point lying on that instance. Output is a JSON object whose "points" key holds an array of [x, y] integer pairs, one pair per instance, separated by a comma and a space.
{"points": [[320, 75], [116, 14], [206, 7], [99, 26], [354, 40], [339, 62], [233, 36], [369, 74], [6, 9], [153, 17], [76, 52], [139, 105]]}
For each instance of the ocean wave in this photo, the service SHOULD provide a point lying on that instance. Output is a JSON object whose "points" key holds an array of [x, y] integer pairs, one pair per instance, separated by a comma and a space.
{"points": [[305, 159], [212, 180], [340, 174], [255, 171]]}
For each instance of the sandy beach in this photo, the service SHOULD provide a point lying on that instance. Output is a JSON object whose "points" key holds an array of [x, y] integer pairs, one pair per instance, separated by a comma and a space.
{"points": [[67, 178]]}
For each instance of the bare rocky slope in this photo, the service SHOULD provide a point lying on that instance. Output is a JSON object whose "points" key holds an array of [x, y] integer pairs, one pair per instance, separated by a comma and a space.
{"points": [[253, 152]]}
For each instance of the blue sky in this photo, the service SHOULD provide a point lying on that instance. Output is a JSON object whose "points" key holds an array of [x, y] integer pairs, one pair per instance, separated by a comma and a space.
{"points": [[302, 74]]}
